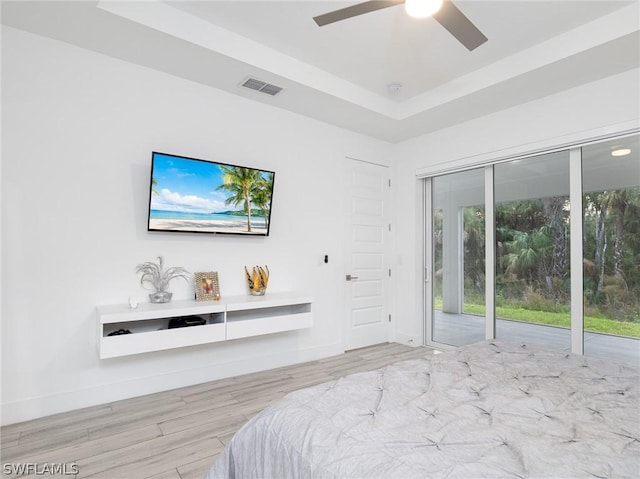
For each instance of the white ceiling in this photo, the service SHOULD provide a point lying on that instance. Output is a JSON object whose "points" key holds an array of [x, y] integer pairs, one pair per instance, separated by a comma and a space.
{"points": [[340, 73]]}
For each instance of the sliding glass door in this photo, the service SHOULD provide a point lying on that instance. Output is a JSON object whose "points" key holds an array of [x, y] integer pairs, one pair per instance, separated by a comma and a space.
{"points": [[532, 250], [501, 252], [458, 253], [611, 210]]}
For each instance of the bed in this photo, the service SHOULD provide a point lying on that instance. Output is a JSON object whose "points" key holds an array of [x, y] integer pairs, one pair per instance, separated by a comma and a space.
{"points": [[489, 410]]}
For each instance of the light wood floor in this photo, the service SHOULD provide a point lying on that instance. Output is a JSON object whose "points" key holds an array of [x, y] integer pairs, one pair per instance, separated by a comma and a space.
{"points": [[174, 434]]}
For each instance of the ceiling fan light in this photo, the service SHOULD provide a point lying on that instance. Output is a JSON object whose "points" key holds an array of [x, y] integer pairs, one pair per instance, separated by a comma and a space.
{"points": [[422, 8]]}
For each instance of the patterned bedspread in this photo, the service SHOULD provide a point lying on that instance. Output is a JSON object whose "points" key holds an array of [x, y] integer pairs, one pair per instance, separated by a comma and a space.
{"points": [[490, 410]]}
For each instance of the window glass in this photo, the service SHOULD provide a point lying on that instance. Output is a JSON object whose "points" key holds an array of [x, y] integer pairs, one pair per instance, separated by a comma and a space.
{"points": [[532, 250], [611, 248], [459, 264]]}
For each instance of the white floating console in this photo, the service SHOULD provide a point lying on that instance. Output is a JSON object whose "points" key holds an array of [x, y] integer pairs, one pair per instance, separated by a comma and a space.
{"points": [[231, 318]]}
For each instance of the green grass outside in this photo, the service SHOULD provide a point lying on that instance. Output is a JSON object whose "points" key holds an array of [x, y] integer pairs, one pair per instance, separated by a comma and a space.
{"points": [[598, 325]]}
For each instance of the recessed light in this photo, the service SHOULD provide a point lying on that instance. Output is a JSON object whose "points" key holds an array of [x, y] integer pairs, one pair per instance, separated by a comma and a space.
{"points": [[621, 152]]}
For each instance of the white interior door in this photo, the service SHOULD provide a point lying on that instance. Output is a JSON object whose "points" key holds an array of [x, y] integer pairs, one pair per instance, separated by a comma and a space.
{"points": [[367, 274]]}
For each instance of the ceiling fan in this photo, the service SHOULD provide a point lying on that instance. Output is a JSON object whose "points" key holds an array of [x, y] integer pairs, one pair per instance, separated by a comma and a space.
{"points": [[443, 11]]}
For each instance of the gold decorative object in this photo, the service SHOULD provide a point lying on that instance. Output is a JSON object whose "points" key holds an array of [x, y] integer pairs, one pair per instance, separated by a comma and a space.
{"points": [[258, 280]]}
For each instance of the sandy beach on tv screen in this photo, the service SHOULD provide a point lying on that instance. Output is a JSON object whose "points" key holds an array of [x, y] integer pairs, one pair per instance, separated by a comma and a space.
{"points": [[205, 226]]}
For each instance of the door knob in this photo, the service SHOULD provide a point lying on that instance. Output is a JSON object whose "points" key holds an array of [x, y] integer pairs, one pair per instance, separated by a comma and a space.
{"points": [[350, 278]]}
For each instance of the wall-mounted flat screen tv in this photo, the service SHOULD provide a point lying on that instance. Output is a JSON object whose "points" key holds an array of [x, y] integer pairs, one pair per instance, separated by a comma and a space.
{"points": [[197, 196]]}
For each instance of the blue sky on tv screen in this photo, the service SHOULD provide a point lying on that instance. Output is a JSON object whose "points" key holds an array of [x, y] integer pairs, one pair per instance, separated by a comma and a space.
{"points": [[187, 185]]}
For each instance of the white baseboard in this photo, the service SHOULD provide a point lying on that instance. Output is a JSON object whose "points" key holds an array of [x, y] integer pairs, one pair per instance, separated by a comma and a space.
{"points": [[32, 408]]}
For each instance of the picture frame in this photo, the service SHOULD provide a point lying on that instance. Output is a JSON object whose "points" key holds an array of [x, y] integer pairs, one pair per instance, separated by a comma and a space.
{"points": [[207, 286]]}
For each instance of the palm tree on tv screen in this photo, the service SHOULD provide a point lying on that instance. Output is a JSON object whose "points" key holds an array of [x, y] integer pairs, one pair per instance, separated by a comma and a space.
{"points": [[262, 196], [242, 183]]}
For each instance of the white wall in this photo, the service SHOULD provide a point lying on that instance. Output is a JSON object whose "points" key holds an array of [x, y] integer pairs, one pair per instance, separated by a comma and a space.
{"points": [[78, 130], [600, 108]]}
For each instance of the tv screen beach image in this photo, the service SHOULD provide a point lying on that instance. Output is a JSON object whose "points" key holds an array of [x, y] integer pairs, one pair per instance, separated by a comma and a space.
{"points": [[198, 196]]}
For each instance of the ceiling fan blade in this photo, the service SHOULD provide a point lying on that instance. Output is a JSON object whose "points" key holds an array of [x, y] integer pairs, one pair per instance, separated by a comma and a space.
{"points": [[459, 26], [354, 11]]}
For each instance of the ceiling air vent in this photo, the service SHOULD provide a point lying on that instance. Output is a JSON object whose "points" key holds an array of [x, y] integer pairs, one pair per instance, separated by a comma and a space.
{"points": [[261, 86]]}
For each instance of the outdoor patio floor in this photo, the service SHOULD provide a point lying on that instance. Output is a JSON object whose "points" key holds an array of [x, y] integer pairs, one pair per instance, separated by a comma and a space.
{"points": [[459, 329]]}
